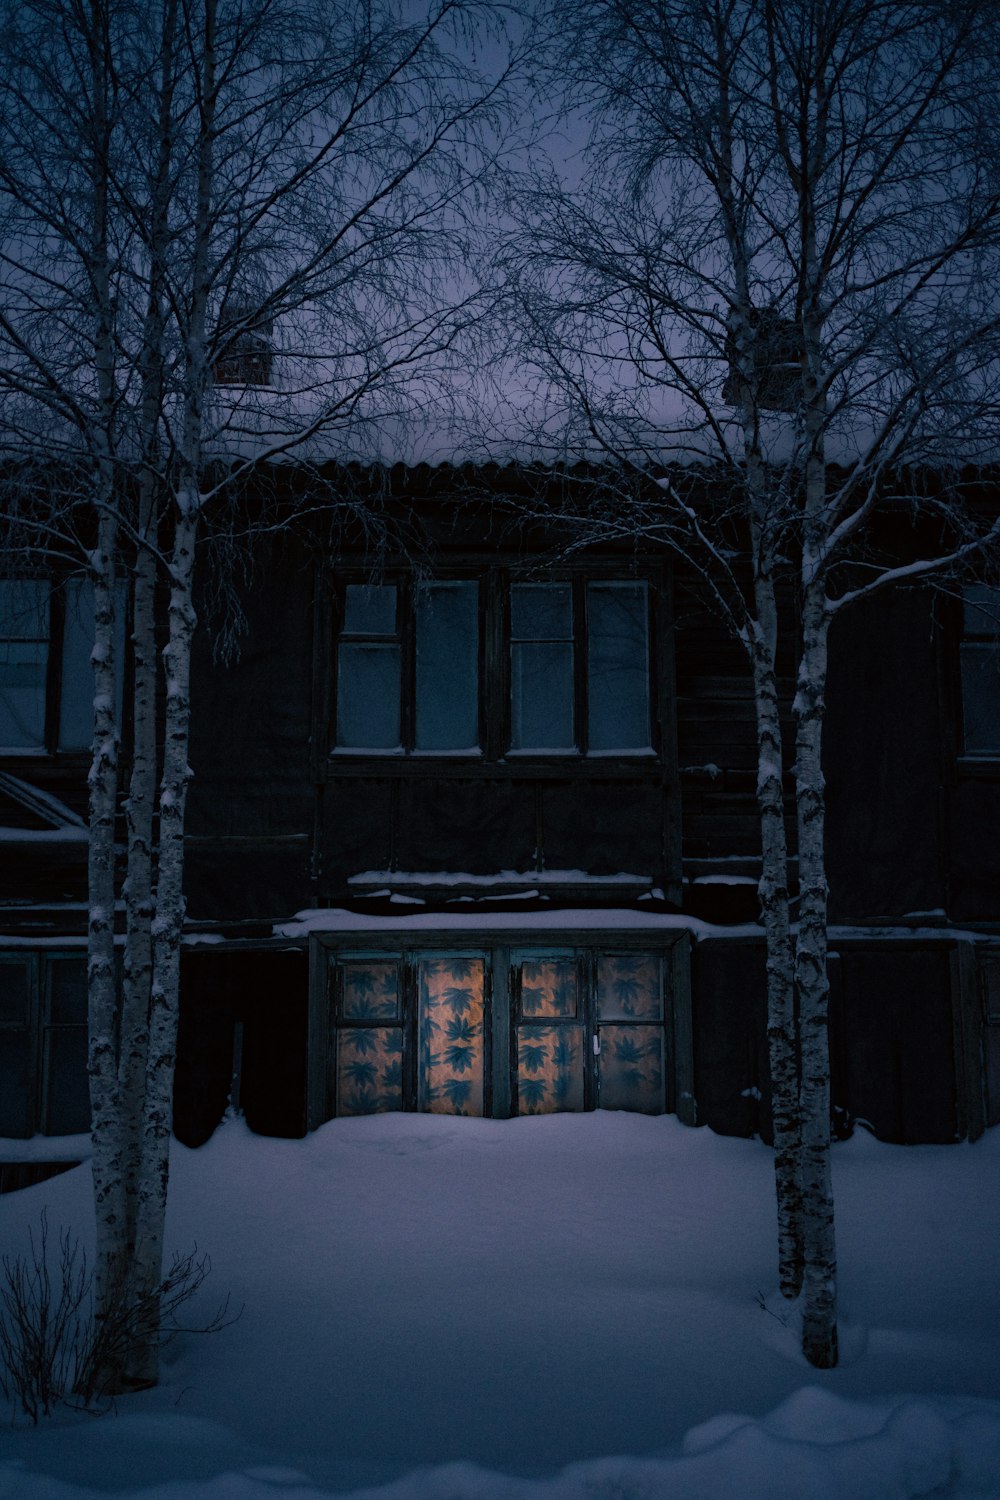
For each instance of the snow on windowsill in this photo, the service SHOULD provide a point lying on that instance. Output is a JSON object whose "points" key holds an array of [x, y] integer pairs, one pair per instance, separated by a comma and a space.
{"points": [[621, 919]]}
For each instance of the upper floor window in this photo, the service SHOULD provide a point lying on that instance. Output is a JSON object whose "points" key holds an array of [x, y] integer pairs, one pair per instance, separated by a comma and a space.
{"points": [[46, 680], [25, 625], [980, 663], [471, 666], [408, 668]]}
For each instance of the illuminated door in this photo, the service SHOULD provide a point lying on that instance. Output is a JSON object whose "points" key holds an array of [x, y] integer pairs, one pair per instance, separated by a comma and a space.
{"points": [[550, 1072], [408, 1032], [450, 1008], [578, 1028], [589, 1032], [630, 1032]]}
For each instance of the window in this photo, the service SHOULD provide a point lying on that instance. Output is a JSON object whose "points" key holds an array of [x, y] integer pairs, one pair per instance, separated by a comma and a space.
{"points": [[980, 668], [24, 657], [46, 680], [43, 1044], [440, 667], [418, 650]]}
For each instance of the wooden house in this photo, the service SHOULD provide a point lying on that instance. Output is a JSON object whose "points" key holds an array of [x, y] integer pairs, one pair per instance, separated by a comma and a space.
{"points": [[472, 829]]}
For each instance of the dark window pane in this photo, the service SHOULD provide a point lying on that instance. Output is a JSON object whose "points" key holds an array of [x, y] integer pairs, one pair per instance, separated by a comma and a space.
{"points": [[542, 696], [549, 987], [14, 994], [371, 990], [67, 1102], [629, 987], [447, 618], [24, 609], [617, 666], [549, 1069], [24, 654], [450, 1032], [368, 695], [369, 1069], [981, 610], [541, 612], [68, 994], [630, 1067], [981, 697], [370, 609], [17, 1093], [22, 693]]}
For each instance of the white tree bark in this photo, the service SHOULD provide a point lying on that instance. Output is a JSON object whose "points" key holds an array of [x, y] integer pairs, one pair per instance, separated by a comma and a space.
{"points": [[819, 1325], [168, 924]]}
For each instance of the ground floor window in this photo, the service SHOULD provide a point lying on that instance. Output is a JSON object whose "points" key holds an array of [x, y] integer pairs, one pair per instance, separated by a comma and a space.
{"points": [[499, 1030], [43, 1044]]}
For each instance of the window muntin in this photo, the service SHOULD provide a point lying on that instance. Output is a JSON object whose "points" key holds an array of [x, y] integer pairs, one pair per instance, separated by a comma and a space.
{"points": [[24, 657], [980, 670]]}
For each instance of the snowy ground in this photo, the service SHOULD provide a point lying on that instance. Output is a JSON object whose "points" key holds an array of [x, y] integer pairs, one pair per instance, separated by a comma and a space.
{"points": [[561, 1308]]}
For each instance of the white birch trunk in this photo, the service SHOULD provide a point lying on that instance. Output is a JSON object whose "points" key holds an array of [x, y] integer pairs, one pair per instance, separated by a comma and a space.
{"points": [[819, 1326], [773, 896], [138, 966], [167, 930], [783, 1063], [819, 1314], [102, 1065], [168, 923], [138, 890], [102, 1000]]}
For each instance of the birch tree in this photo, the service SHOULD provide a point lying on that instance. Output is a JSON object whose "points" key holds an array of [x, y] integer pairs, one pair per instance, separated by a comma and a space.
{"points": [[768, 309], [236, 180]]}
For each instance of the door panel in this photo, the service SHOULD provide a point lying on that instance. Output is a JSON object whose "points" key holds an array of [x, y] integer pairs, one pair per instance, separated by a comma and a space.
{"points": [[369, 1069], [450, 1055], [550, 1054], [630, 1068], [549, 1069], [630, 1034]]}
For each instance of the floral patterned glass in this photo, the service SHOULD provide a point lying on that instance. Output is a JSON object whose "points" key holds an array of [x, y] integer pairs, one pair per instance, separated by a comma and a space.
{"points": [[629, 987], [631, 1068], [450, 1031], [371, 991], [369, 1069], [549, 987], [549, 1069]]}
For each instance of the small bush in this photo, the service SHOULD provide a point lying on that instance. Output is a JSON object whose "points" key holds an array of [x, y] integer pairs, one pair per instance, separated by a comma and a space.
{"points": [[55, 1347]]}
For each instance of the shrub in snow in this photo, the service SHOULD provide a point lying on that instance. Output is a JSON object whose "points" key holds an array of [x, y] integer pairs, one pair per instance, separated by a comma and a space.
{"points": [[55, 1347]]}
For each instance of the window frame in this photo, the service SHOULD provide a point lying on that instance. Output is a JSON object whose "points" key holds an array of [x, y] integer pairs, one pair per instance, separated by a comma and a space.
{"points": [[971, 641], [55, 613], [58, 603], [40, 1031], [495, 675]]}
